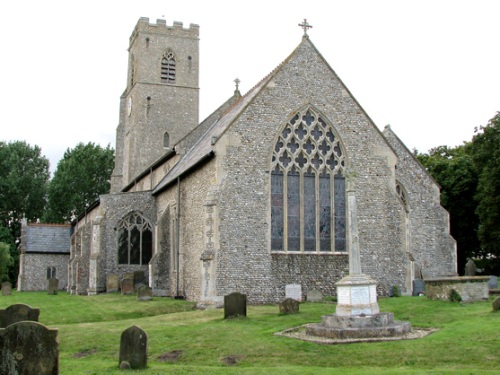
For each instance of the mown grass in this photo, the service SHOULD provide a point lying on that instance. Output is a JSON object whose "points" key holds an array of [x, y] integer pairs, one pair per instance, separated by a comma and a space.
{"points": [[466, 342]]}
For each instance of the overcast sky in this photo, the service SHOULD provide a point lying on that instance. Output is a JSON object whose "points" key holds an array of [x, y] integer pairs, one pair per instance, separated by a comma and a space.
{"points": [[429, 68]]}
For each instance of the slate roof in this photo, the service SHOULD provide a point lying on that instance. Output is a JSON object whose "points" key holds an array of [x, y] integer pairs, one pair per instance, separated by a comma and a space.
{"points": [[48, 238]]}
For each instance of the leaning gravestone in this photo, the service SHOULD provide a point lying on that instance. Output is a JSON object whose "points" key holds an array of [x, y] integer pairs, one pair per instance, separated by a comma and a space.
{"points": [[144, 293], [235, 304], [127, 286], [493, 282], [289, 306], [18, 313], [53, 286], [134, 348], [6, 288], [29, 348], [314, 296], [496, 304], [293, 291], [112, 283]]}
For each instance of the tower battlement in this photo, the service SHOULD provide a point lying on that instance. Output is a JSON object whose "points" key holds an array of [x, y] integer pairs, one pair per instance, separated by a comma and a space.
{"points": [[177, 28]]}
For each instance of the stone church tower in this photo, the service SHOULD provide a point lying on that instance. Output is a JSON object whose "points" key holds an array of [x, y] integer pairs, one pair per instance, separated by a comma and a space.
{"points": [[160, 104]]}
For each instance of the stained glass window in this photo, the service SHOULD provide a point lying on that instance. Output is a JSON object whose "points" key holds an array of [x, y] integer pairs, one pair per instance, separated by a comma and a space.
{"points": [[135, 240], [308, 202]]}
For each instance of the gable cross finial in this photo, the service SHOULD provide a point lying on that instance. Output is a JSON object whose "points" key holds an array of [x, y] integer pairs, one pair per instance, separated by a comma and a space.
{"points": [[237, 82], [305, 26]]}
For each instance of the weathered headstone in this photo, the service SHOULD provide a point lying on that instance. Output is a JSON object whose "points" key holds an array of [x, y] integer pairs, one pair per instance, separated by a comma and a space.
{"points": [[134, 347], [470, 268], [29, 348], [293, 291], [235, 304], [112, 283], [493, 282], [53, 286], [139, 279], [289, 306], [314, 296], [6, 288], [127, 286], [418, 287], [18, 313], [144, 293], [496, 304]]}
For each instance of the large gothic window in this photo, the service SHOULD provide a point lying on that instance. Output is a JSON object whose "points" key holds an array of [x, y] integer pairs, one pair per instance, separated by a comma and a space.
{"points": [[308, 204], [135, 240], [168, 67]]}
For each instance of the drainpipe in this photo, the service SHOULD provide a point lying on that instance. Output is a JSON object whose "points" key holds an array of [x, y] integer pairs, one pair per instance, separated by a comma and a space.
{"points": [[177, 232]]}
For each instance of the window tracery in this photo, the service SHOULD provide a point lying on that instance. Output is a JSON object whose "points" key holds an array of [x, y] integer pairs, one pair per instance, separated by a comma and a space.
{"points": [[168, 67], [402, 195], [135, 240], [308, 187]]}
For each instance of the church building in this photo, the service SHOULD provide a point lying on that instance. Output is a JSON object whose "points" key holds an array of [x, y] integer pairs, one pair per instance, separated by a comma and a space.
{"points": [[253, 197]]}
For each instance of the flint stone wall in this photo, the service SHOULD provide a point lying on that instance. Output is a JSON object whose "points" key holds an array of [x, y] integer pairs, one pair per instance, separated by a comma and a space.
{"points": [[470, 288]]}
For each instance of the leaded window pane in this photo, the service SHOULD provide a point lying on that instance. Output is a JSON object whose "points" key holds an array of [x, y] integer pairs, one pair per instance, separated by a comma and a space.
{"points": [[325, 232], [293, 198], [123, 246], [309, 212], [277, 211], [340, 213], [135, 246]]}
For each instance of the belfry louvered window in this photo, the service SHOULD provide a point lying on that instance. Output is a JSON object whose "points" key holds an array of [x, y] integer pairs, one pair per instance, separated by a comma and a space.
{"points": [[135, 240], [168, 67], [308, 204]]}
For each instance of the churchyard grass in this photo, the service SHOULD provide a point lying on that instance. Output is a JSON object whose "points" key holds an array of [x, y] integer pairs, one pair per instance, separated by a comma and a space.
{"points": [[466, 341]]}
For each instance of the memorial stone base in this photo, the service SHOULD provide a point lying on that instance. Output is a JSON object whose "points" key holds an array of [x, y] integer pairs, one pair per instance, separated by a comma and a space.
{"points": [[357, 314]]}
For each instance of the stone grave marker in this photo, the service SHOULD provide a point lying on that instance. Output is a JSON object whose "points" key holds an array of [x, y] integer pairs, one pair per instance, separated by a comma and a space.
{"points": [[418, 287], [53, 286], [144, 293], [293, 291], [29, 348], [6, 288], [235, 304], [112, 283], [289, 306], [139, 279], [134, 348], [496, 304], [127, 286], [18, 313], [470, 268], [492, 283], [314, 296]]}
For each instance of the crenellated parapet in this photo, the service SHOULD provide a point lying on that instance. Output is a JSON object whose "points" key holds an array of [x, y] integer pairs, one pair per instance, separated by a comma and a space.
{"points": [[177, 29]]}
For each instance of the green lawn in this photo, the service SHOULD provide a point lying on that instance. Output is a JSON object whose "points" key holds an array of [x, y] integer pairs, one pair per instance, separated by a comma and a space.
{"points": [[467, 340]]}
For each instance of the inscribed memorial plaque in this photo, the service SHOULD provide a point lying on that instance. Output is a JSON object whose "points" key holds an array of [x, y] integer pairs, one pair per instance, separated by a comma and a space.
{"points": [[293, 291]]}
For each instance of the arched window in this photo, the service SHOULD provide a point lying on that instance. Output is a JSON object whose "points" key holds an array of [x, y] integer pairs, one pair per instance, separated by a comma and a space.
{"points": [[168, 67], [166, 140], [400, 190], [135, 240], [308, 204]]}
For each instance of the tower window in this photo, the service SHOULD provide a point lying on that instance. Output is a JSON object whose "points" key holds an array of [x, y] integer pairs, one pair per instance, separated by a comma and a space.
{"points": [[308, 205], [166, 140], [168, 67]]}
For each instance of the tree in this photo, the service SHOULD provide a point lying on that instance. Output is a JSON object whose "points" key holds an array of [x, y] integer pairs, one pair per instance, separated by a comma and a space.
{"points": [[486, 156], [81, 176], [6, 262], [24, 176], [454, 170]]}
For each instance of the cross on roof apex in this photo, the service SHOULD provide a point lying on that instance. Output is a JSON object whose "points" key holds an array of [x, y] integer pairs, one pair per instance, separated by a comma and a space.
{"points": [[305, 26]]}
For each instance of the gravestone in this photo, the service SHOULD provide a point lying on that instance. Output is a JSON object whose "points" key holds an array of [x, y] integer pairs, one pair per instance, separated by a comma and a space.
{"points": [[235, 304], [139, 279], [18, 313], [418, 287], [29, 348], [496, 304], [293, 291], [289, 306], [6, 288], [144, 293], [134, 347], [492, 283], [314, 296], [470, 268], [53, 286], [127, 286], [112, 283]]}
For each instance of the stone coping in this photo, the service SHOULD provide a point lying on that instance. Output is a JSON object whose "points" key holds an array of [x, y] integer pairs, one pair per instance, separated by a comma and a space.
{"points": [[461, 279], [300, 333]]}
